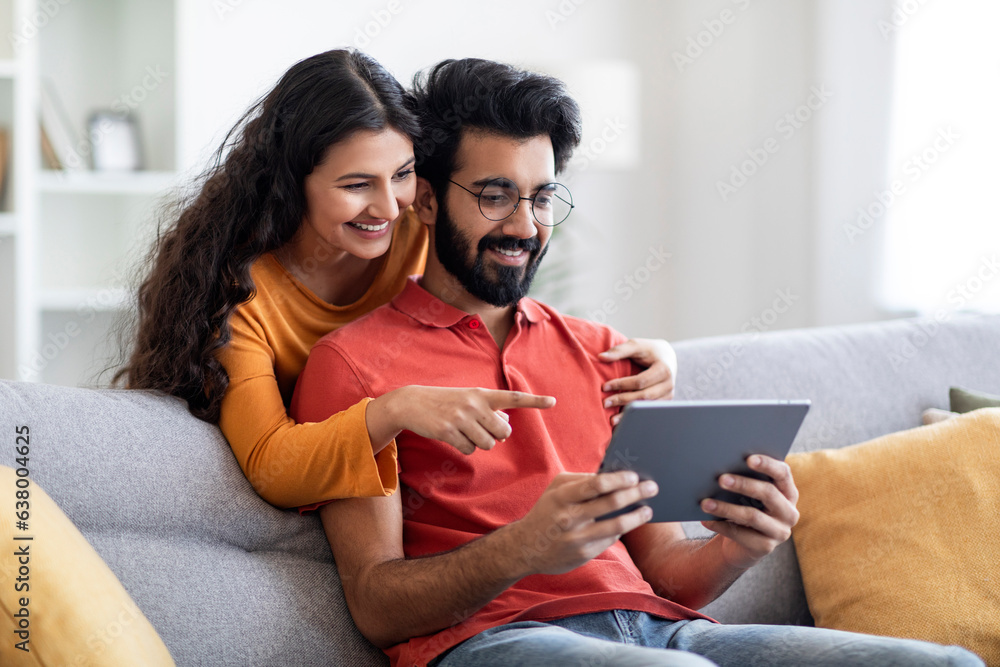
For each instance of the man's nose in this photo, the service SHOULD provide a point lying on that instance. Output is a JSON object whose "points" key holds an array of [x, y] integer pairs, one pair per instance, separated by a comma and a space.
{"points": [[521, 222]]}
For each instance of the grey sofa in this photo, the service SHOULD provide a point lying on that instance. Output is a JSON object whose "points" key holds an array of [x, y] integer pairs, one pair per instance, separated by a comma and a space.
{"points": [[227, 579]]}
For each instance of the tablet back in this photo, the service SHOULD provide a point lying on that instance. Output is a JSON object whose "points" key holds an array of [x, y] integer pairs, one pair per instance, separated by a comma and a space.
{"points": [[686, 445]]}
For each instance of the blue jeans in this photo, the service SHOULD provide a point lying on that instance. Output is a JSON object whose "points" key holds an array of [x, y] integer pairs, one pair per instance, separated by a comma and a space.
{"points": [[632, 638]]}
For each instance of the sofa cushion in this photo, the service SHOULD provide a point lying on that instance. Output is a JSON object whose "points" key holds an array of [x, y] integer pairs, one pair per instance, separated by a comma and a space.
{"points": [[964, 400], [68, 608], [224, 577], [935, 415], [900, 536], [864, 380]]}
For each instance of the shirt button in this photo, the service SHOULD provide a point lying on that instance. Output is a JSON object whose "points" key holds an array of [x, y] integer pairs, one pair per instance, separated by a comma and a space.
{"points": [[473, 324]]}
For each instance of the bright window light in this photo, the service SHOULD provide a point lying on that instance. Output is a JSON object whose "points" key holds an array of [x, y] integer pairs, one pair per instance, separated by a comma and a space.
{"points": [[942, 226]]}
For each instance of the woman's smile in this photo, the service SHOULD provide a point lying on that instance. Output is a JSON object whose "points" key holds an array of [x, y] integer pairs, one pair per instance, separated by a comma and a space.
{"points": [[369, 229]]}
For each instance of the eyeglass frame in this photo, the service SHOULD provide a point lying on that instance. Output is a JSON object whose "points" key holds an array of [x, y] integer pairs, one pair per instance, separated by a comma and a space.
{"points": [[479, 200]]}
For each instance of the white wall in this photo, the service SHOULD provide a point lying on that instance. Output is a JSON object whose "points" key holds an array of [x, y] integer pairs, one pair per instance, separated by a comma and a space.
{"points": [[855, 59], [729, 260], [731, 256]]}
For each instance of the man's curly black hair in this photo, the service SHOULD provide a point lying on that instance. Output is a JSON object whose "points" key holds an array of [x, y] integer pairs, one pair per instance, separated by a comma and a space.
{"points": [[492, 97]]}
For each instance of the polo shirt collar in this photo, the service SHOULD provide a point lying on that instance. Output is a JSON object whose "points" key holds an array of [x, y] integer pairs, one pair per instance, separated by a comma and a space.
{"points": [[532, 310], [431, 311]]}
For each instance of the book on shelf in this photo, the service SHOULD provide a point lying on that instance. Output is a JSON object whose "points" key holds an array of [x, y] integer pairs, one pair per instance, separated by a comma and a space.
{"points": [[49, 158], [57, 131]]}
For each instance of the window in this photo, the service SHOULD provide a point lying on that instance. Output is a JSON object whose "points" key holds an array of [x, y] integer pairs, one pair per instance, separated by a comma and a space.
{"points": [[942, 213]]}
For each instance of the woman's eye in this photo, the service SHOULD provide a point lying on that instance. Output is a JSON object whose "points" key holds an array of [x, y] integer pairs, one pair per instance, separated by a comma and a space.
{"points": [[355, 187], [404, 174]]}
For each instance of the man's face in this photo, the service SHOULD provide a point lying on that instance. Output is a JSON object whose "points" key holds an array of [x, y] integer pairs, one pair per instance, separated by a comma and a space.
{"points": [[495, 260]]}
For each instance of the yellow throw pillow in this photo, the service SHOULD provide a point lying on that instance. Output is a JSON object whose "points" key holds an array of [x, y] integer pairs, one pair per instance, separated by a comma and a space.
{"points": [[900, 536], [65, 600]]}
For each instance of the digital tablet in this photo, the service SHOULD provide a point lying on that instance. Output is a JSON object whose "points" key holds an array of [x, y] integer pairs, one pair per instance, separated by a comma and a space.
{"points": [[686, 445]]}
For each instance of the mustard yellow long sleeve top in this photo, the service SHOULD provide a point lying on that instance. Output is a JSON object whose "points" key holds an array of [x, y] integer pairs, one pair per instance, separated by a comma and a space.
{"points": [[289, 464]]}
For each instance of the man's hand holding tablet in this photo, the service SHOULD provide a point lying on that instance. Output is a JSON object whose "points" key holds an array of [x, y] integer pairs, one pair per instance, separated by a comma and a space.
{"points": [[718, 462], [691, 449], [755, 530]]}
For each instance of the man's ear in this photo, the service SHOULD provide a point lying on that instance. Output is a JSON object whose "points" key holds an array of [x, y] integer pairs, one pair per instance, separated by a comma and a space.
{"points": [[426, 204]]}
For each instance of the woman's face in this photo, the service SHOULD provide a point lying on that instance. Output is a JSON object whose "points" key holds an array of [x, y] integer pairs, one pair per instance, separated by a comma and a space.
{"points": [[355, 195]]}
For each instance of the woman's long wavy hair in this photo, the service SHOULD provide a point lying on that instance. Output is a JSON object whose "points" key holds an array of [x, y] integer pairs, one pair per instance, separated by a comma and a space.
{"points": [[249, 201]]}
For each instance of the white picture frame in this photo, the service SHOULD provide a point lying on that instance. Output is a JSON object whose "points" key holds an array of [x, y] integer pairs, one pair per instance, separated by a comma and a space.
{"points": [[114, 142]]}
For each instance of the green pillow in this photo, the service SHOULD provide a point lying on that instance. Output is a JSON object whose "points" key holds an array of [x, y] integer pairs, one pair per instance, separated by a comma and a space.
{"points": [[963, 400]]}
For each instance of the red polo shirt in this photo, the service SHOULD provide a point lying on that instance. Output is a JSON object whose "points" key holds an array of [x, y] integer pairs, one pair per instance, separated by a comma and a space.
{"points": [[449, 498]]}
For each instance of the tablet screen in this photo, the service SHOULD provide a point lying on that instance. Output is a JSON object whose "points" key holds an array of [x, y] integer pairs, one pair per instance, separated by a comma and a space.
{"points": [[686, 445]]}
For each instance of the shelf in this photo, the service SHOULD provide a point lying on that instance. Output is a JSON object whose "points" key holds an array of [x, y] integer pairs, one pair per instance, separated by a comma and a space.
{"points": [[8, 224], [93, 299], [69, 238], [96, 182]]}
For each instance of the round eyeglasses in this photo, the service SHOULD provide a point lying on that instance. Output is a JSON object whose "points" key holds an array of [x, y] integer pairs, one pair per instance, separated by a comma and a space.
{"points": [[499, 198]]}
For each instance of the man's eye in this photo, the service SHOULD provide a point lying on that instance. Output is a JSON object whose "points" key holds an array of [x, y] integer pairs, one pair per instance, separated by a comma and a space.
{"points": [[495, 196], [543, 201]]}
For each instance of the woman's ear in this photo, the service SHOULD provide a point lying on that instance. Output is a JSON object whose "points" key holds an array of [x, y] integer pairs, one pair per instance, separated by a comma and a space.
{"points": [[425, 204]]}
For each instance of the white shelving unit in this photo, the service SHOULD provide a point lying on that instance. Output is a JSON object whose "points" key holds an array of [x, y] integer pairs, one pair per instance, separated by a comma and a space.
{"points": [[92, 182], [12, 292], [68, 239]]}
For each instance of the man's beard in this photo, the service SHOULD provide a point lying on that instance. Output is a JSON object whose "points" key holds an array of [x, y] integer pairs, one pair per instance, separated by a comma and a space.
{"points": [[508, 286]]}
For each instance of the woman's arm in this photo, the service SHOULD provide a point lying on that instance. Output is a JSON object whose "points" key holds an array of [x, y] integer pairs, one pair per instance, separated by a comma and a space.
{"points": [[463, 417], [342, 450], [289, 464]]}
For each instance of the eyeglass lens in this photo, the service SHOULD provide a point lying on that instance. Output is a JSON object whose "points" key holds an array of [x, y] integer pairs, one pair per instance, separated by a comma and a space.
{"points": [[550, 205]]}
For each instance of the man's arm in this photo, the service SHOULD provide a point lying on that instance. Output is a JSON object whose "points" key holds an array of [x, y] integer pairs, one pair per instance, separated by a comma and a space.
{"points": [[393, 599], [687, 571], [696, 572]]}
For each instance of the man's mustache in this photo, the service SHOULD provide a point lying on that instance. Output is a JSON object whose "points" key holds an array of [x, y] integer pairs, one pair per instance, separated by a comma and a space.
{"points": [[504, 242]]}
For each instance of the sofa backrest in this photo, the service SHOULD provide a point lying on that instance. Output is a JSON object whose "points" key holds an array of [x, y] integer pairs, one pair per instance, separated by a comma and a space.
{"points": [[224, 577], [864, 381], [227, 579]]}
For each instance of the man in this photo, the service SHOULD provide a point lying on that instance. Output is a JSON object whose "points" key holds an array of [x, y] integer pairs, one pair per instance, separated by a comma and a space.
{"points": [[495, 557]]}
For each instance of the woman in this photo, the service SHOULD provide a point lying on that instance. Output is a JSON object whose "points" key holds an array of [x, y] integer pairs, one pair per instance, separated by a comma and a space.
{"points": [[300, 227]]}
